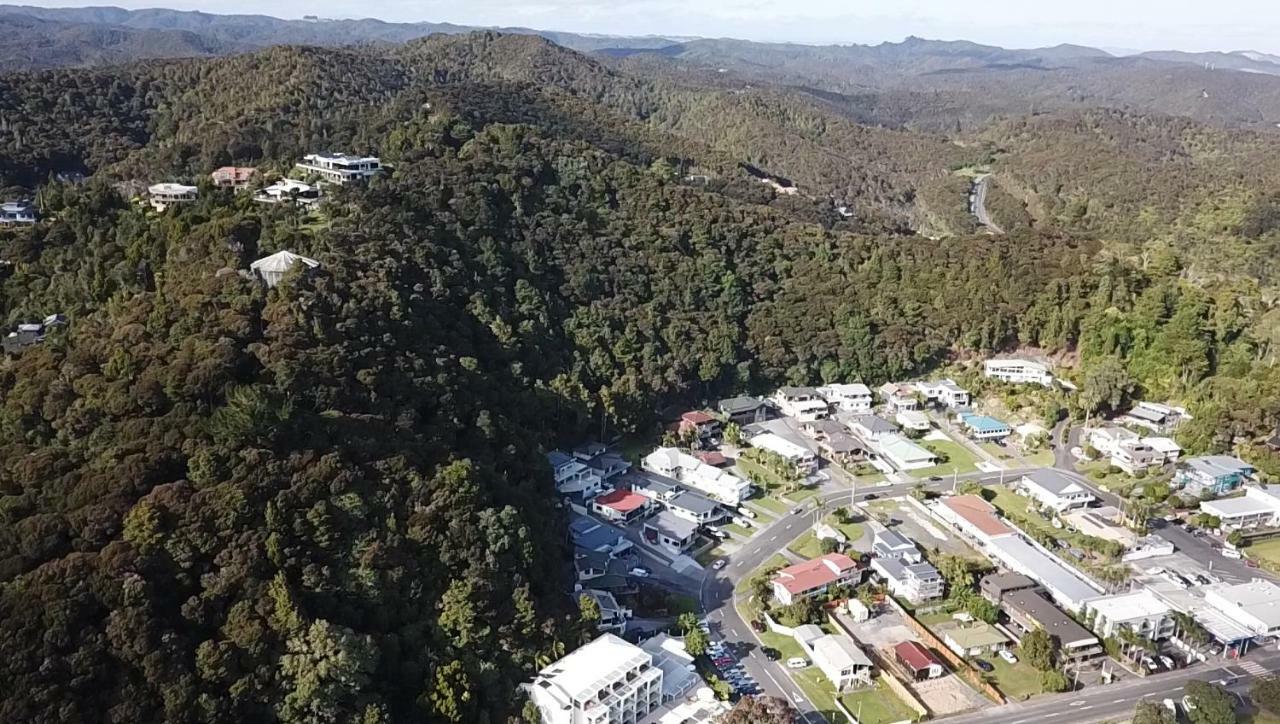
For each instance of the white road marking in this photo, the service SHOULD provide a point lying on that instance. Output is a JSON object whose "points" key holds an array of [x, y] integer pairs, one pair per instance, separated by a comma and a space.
{"points": [[1086, 708], [1119, 701], [773, 538]]}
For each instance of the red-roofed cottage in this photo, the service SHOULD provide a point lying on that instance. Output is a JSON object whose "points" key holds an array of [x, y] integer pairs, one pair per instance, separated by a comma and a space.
{"points": [[919, 661], [236, 177], [701, 424], [811, 578], [620, 505]]}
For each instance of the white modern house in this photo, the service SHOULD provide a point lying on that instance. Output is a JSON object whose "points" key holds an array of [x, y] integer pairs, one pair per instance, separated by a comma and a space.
{"points": [[272, 269], [847, 398], [15, 213], [685, 468], [842, 660], [164, 195], [607, 681], [1018, 371], [573, 478], [802, 403], [944, 392], [899, 396], [804, 459], [1259, 507], [289, 191], [913, 420], [1141, 611], [340, 168], [1052, 489], [870, 428]]}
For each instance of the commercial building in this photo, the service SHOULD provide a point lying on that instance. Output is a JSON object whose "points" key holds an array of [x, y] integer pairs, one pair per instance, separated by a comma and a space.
{"points": [[339, 168], [1018, 371], [1068, 587], [1140, 611], [1215, 474], [164, 195], [1255, 604], [847, 398], [607, 681], [1053, 489], [802, 403], [814, 577], [693, 472], [1259, 507]]}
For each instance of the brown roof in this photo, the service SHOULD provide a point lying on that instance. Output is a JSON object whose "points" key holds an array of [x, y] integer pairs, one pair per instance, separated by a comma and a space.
{"points": [[821, 571], [623, 501], [712, 458], [697, 417], [978, 512]]}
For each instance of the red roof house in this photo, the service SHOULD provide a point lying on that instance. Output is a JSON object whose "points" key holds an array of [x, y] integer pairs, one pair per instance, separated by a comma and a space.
{"points": [[620, 505], [813, 577], [974, 516], [712, 458], [701, 423], [918, 660], [235, 176]]}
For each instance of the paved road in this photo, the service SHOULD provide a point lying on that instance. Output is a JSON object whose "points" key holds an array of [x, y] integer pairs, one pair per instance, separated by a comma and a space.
{"points": [[980, 205]]}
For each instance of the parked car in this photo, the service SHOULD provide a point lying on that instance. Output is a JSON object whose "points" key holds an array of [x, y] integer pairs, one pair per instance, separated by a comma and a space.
{"points": [[1150, 663], [797, 510], [935, 478], [797, 662], [1171, 706], [746, 512], [757, 625], [741, 521], [1228, 553], [1008, 656], [1168, 663], [771, 653], [1203, 580], [717, 533], [718, 564], [870, 496], [640, 572], [1188, 704], [984, 665]]}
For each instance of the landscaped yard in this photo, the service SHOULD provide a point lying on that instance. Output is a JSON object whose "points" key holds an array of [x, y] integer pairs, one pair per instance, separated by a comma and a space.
{"points": [[776, 561], [1040, 458], [771, 505], [801, 494], [808, 545], [708, 556], [958, 458], [877, 705], [754, 471], [1016, 681], [1015, 507]]}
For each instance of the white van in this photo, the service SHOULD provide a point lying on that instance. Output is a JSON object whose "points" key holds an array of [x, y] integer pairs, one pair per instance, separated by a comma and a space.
{"points": [[797, 662], [746, 512], [1229, 553]]}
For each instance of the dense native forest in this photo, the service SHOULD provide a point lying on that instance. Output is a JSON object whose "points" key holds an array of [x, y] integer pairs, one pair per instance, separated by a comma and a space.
{"points": [[327, 502]]}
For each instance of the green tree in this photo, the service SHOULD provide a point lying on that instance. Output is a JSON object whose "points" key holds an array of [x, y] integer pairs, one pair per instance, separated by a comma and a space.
{"points": [[327, 668], [1107, 385], [1054, 680], [1040, 649], [1152, 712], [1265, 692], [1213, 704], [696, 641]]}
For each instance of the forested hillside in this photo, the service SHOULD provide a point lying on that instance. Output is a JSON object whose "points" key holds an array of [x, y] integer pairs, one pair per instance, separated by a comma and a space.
{"points": [[327, 501]]}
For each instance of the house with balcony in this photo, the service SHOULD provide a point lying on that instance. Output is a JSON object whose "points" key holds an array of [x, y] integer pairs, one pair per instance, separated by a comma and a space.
{"points": [[1053, 489], [841, 660], [1018, 372], [289, 191], [944, 393], [702, 426], [1213, 474], [573, 479], [847, 397], [983, 428], [804, 460], [744, 410], [607, 681], [801, 403], [234, 177], [1140, 611], [689, 470], [898, 396], [17, 213], [1154, 416], [814, 577], [339, 168], [165, 195]]}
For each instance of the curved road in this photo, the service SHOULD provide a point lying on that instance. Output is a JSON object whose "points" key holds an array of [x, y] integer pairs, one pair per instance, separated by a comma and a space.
{"points": [[979, 209], [719, 606]]}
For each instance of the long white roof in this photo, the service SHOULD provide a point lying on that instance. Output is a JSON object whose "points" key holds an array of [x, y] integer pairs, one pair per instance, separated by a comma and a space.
{"points": [[282, 261], [593, 665]]}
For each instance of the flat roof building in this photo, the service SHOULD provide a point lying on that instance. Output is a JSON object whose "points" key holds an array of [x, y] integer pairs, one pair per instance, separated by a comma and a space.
{"points": [[607, 681], [340, 168], [1255, 604], [1141, 611]]}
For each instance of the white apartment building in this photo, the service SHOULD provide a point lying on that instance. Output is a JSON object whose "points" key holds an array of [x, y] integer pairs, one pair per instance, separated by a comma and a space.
{"points": [[1139, 610], [685, 468], [847, 398], [607, 681], [1255, 604], [340, 168], [1018, 371], [804, 459], [164, 195], [17, 212], [803, 403]]}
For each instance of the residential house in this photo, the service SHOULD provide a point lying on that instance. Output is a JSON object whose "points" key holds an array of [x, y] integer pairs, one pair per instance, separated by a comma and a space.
{"points": [[1165, 446], [679, 675], [685, 468], [14, 213], [984, 427], [847, 398], [1053, 489], [974, 638], [1259, 507], [799, 456], [607, 466], [670, 532], [842, 660], [620, 506], [1018, 371], [870, 428], [744, 410], [972, 516], [655, 488], [1255, 604], [339, 168], [899, 396], [944, 393], [995, 586], [613, 616], [889, 543], [1125, 449], [834, 441], [573, 479], [913, 420], [596, 537], [904, 454], [701, 425], [1140, 611], [695, 508], [234, 177], [1070, 588], [607, 681], [916, 582], [802, 403], [814, 577], [1154, 416], [164, 195], [289, 191], [1216, 474], [714, 458], [805, 635], [919, 662], [1029, 609], [272, 269]]}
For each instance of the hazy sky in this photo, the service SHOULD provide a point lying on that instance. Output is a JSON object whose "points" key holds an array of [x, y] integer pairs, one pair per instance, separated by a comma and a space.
{"points": [[1140, 24]]}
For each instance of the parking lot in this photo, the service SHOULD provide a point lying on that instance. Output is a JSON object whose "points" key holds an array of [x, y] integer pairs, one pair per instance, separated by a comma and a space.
{"points": [[728, 667]]}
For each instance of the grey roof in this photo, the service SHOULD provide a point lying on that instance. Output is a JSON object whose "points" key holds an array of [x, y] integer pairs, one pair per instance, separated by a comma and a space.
{"points": [[1054, 574], [875, 423], [1051, 618], [694, 503], [1143, 413], [1051, 480], [1000, 583], [1216, 465], [668, 523], [589, 449], [808, 632], [892, 567], [652, 483], [607, 461], [739, 404], [840, 442], [558, 458], [893, 539], [923, 571], [797, 392]]}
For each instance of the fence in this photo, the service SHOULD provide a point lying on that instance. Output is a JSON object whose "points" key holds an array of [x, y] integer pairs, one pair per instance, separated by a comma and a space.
{"points": [[961, 667], [886, 668]]}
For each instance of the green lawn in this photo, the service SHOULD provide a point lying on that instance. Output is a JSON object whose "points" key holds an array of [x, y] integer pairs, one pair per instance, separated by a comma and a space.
{"points": [[1017, 681], [706, 557], [786, 645], [801, 495], [776, 561], [1267, 553], [1015, 507], [771, 505], [678, 603], [739, 530], [959, 458], [994, 450], [1042, 458], [806, 546], [877, 705], [753, 470]]}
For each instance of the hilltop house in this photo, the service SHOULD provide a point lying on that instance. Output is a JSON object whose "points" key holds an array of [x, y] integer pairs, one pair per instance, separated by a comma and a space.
{"points": [[289, 191], [1216, 474], [164, 195], [234, 177], [1018, 371], [15, 213], [1154, 416], [802, 403], [744, 410], [944, 392], [272, 269], [847, 398], [339, 168]]}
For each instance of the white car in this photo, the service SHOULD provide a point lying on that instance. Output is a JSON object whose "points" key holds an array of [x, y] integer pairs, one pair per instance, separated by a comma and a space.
{"points": [[1008, 656], [741, 521], [1168, 663], [796, 662], [1188, 704], [718, 564], [1171, 706], [639, 572], [746, 512]]}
